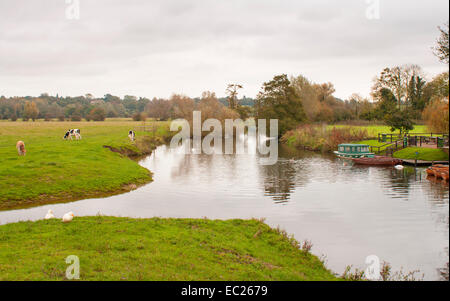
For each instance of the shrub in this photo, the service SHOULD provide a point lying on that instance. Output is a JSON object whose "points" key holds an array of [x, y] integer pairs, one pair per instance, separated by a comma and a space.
{"points": [[75, 117], [139, 117], [320, 138], [97, 114], [61, 117]]}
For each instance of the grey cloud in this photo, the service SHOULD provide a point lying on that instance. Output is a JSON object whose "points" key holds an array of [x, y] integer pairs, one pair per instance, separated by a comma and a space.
{"points": [[160, 47]]}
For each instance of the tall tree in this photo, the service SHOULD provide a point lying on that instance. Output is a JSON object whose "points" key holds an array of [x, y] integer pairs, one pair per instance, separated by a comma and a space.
{"points": [[232, 92], [355, 101], [415, 93], [396, 79], [30, 111], [279, 100], [441, 49]]}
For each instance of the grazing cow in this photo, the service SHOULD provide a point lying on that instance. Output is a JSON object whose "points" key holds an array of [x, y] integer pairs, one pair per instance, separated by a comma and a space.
{"points": [[21, 148], [131, 135], [73, 132]]}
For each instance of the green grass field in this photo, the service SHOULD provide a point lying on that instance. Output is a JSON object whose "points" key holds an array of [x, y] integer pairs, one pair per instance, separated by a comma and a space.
{"points": [[426, 154], [55, 170], [111, 248], [373, 130]]}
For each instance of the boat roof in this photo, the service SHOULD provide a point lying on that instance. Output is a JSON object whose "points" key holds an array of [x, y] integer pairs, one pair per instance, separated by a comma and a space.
{"points": [[348, 144]]}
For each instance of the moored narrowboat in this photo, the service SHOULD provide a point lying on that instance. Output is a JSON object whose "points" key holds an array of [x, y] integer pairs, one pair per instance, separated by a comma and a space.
{"points": [[351, 151]]}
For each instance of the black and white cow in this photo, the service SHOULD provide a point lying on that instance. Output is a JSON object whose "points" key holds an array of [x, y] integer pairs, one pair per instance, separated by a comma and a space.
{"points": [[131, 135], [73, 132]]}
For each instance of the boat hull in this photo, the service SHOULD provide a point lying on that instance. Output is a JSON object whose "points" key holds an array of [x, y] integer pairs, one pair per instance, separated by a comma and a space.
{"points": [[377, 161], [439, 172]]}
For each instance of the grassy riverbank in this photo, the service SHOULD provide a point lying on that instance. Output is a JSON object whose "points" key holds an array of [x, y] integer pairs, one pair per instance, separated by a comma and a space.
{"points": [[111, 248], [55, 170], [426, 154]]}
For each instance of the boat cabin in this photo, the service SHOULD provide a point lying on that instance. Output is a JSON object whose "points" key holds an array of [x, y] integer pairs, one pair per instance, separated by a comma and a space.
{"points": [[354, 151]]}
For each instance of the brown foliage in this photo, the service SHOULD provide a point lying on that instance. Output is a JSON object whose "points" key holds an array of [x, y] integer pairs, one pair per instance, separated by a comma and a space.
{"points": [[436, 115], [316, 137]]}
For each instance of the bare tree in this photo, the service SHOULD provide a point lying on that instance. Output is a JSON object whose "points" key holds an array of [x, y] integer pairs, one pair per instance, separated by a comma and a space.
{"points": [[441, 49], [232, 92]]}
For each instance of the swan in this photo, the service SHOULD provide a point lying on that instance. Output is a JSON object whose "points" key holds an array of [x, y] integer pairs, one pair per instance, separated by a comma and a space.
{"points": [[49, 214], [399, 167], [67, 217]]}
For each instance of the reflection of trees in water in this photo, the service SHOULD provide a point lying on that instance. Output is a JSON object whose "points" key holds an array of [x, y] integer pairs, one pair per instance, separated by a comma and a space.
{"points": [[444, 271], [398, 182], [437, 189], [292, 170], [279, 180]]}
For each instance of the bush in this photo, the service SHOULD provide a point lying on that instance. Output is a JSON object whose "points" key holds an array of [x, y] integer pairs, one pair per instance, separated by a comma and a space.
{"points": [[320, 138], [139, 117], [75, 117], [13, 117], [48, 117], [97, 114], [61, 117]]}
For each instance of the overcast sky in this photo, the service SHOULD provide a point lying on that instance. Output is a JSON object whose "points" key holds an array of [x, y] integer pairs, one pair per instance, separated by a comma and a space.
{"points": [[157, 48]]}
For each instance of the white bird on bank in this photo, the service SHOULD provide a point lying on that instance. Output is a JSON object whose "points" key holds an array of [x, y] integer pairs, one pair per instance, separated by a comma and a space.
{"points": [[67, 217], [49, 214], [399, 167]]}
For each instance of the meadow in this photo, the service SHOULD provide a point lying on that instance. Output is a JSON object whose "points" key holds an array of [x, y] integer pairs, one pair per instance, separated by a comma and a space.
{"points": [[373, 130], [425, 154], [112, 248], [57, 170]]}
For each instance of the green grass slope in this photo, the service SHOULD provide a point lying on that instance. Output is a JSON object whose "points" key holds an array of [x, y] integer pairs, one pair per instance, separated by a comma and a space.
{"points": [[426, 154], [58, 170], [111, 248]]}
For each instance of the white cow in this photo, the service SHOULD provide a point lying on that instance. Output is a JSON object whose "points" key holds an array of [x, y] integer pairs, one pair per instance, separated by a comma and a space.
{"points": [[73, 132], [131, 135]]}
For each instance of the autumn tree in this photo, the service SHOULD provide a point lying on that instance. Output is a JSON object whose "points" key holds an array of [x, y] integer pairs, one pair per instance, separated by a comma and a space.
{"points": [[97, 114], [181, 107], [436, 115], [30, 111], [308, 94], [210, 107], [158, 108]]}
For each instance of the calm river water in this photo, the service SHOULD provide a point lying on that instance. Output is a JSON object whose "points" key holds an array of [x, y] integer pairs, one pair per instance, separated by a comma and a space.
{"points": [[347, 212]]}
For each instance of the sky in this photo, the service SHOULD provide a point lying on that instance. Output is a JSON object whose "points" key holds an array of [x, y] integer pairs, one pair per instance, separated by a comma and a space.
{"points": [[157, 48]]}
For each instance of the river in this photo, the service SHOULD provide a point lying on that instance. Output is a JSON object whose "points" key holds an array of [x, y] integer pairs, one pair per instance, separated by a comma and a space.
{"points": [[347, 212]]}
